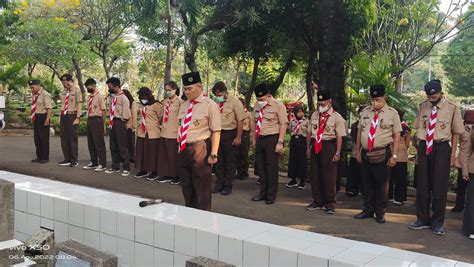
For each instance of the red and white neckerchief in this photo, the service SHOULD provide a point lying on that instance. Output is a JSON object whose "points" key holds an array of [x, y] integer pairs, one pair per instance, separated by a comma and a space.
{"points": [[258, 127], [297, 126], [33, 107], [183, 129], [66, 105], [245, 109], [167, 110], [89, 104], [372, 131], [221, 107], [431, 130], [112, 109], [318, 141], [143, 119]]}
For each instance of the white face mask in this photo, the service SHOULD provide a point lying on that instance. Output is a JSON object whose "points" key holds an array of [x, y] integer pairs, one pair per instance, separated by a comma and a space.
{"points": [[144, 101], [262, 103], [323, 109]]}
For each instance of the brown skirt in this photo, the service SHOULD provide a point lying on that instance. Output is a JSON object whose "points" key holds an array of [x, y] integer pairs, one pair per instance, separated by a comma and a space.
{"points": [[146, 155], [167, 157]]}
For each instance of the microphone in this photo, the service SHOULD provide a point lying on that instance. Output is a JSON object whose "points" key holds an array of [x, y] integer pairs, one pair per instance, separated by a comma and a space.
{"points": [[145, 203]]}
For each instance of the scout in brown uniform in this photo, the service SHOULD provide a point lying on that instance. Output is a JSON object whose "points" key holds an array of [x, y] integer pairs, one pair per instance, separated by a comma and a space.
{"points": [[379, 128], [198, 138], [71, 108], [96, 115], [148, 134], [131, 125], [269, 135], [298, 161], [467, 147], [354, 179], [243, 155], [41, 114], [168, 144], [324, 142], [232, 116], [438, 123], [119, 114]]}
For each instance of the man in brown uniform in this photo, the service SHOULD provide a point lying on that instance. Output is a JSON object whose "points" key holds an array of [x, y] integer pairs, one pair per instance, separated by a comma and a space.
{"points": [[379, 128], [71, 108], [324, 142], [198, 138], [232, 116], [96, 116], [243, 155], [119, 115], [438, 123], [269, 136], [40, 117]]}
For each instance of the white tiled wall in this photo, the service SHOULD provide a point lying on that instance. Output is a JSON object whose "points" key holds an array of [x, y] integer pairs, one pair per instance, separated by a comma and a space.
{"points": [[167, 235]]}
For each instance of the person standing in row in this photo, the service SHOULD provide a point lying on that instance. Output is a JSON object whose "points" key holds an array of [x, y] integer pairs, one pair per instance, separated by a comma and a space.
{"points": [[326, 130], [438, 124], [119, 114], [232, 116], [243, 154], [148, 134], [198, 138], [298, 161], [268, 140], [354, 179], [96, 117], [461, 183], [468, 173], [379, 129], [71, 108], [168, 144], [41, 110], [131, 125]]}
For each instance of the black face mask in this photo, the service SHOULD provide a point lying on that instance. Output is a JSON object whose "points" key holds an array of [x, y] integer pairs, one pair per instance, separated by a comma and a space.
{"points": [[90, 91], [111, 91]]}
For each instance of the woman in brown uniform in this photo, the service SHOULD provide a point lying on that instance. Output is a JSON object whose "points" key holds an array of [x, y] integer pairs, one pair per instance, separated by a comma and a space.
{"points": [[148, 134], [468, 173], [131, 125]]}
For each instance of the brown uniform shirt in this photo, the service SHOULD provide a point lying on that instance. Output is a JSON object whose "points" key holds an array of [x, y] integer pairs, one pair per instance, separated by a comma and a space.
{"points": [[233, 111], [43, 102], [170, 128], [449, 120], [389, 123], [132, 122], [274, 115], [248, 117], [153, 120], [98, 105], [335, 125], [205, 119], [467, 151], [75, 97], [402, 152], [122, 108], [303, 129]]}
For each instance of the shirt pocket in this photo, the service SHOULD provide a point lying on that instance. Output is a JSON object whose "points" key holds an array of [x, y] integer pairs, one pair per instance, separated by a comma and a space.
{"points": [[270, 115], [199, 121], [386, 124], [364, 123], [444, 122]]}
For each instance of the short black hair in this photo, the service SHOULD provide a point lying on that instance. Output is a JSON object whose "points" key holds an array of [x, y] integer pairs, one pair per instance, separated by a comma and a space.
{"points": [[298, 108], [66, 77], [114, 81], [219, 87], [90, 81], [173, 85]]}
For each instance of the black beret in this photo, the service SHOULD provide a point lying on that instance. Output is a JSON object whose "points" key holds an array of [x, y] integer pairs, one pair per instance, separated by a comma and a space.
{"points": [[377, 90], [144, 91], [432, 87], [324, 95], [90, 81], [34, 82], [191, 78], [261, 90], [113, 81]]}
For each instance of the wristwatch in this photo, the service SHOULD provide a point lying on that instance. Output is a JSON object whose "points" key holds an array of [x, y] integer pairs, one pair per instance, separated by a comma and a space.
{"points": [[280, 142], [213, 156], [394, 156], [338, 154]]}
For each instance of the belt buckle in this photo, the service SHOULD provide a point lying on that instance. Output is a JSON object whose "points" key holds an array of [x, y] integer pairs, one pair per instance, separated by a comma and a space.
{"points": [[297, 136]]}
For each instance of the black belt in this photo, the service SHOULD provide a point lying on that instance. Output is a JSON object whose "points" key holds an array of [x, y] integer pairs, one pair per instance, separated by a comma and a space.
{"points": [[267, 136], [377, 148], [229, 130], [297, 136], [40, 114], [94, 117], [325, 141]]}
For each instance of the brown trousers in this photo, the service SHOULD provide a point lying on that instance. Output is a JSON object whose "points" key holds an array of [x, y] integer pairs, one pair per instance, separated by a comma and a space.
{"points": [[118, 145], [196, 175], [168, 157], [323, 175], [95, 141], [227, 162], [41, 137], [146, 156], [69, 137], [432, 182], [243, 156], [375, 182], [266, 160]]}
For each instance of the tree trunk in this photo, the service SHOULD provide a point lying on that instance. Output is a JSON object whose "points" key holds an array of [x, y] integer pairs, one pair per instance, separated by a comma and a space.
{"points": [[31, 68], [78, 70], [169, 42], [398, 82], [284, 71], [190, 53], [253, 82], [309, 79], [237, 77]]}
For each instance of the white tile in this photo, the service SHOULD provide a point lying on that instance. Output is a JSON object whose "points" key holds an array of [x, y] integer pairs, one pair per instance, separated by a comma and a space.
{"points": [[323, 251], [255, 255], [92, 238], [76, 233], [381, 261], [282, 257], [34, 203], [144, 230], [353, 257], [369, 248], [164, 235], [185, 240], [61, 210], [144, 255], [47, 223], [293, 244], [180, 259], [108, 222], [401, 254], [21, 236], [335, 263], [207, 244], [311, 261], [108, 243], [427, 260], [125, 252], [61, 232], [163, 258], [230, 250], [20, 222], [47, 207], [33, 224], [340, 242], [126, 226], [92, 218], [21, 200], [76, 214], [464, 264]]}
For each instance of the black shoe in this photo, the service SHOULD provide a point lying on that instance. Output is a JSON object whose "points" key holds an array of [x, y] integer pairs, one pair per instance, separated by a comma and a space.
{"points": [[64, 163], [269, 202], [314, 206], [330, 211], [438, 230], [141, 174], [73, 164], [175, 181], [380, 219], [112, 170], [364, 215], [164, 179], [457, 209], [35, 160], [258, 181], [216, 189], [226, 191], [90, 166], [43, 161], [292, 183], [418, 225], [259, 198], [302, 186], [153, 176]]}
